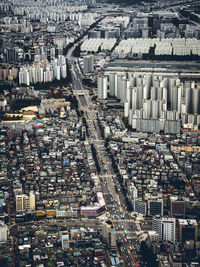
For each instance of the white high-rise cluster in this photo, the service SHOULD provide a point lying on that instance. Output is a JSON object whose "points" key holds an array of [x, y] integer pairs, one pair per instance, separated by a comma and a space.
{"points": [[52, 12], [169, 46], [44, 71], [94, 44], [154, 103], [121, 20], [139, 45], [83, 19]]}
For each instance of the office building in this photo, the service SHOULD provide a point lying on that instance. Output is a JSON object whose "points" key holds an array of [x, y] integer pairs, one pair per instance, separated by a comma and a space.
{"points": [[3, 232], [24, 202], [133, 193], [140, 207], [165, 227], [177, 206], [187, 230], [155, 207]]}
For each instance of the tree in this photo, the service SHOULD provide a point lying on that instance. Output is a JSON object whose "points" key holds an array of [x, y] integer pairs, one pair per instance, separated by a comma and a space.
{"points": [[109, 222], [17, 104]]}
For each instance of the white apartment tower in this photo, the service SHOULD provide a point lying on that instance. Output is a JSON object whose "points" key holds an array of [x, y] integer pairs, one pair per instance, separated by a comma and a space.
{"points": [[32, 200], [102, 87], [88, 64]]}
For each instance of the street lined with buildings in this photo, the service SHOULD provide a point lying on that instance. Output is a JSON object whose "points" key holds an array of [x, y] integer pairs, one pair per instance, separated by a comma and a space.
{"points": [[99, 133]]}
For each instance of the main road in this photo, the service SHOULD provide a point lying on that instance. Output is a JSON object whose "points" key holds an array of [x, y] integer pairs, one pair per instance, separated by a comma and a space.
{"points": [[107, 179]]}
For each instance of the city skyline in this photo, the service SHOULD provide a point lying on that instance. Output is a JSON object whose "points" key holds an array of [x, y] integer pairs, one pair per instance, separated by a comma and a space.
{"points": [[99, 133]]}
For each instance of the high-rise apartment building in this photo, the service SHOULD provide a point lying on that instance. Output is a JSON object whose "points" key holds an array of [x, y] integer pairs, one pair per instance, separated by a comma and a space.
{"points": [[102, 87], [88, 64], [44, 71], [154, 103], [32, 200]]}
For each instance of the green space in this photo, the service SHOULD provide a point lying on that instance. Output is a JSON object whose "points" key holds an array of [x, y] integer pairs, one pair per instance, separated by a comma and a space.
{"points": [[89, 83]]}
